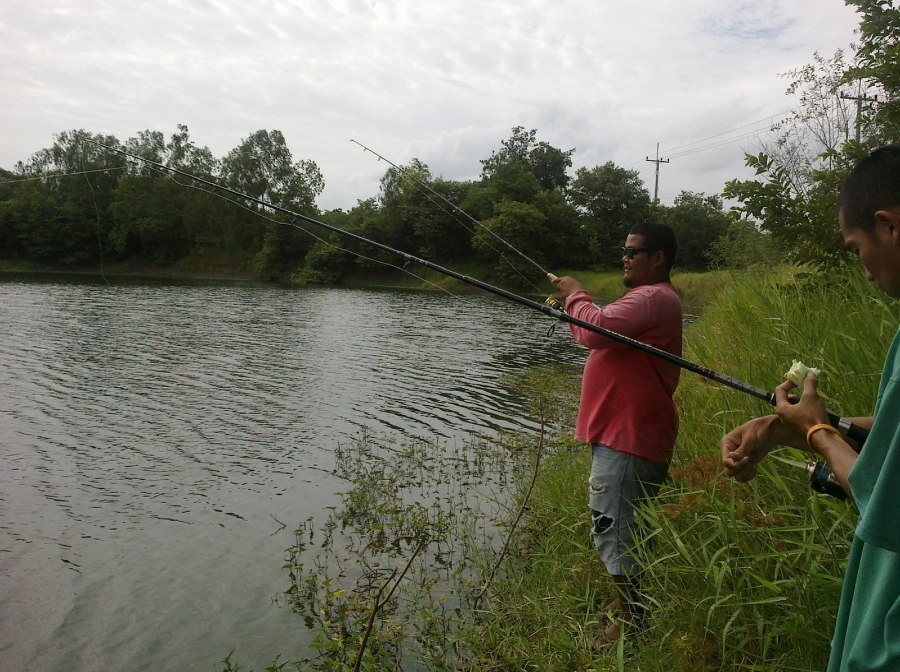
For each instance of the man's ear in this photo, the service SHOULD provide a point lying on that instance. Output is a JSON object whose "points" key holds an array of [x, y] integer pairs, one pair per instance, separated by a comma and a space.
{"points": [[887, 222], [659, 259]]}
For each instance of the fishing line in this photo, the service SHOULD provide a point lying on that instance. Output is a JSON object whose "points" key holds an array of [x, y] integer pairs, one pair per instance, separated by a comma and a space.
{"points": [[852, 431], [46, 176], [456, 209], [96, 212], [453, 213], [294, 224]]}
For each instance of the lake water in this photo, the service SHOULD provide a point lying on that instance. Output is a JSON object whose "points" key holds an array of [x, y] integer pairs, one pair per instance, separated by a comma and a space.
{"points": [[160, 443]]}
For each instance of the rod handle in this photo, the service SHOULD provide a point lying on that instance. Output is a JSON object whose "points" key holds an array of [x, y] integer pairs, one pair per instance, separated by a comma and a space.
{"points": [[851, 431]]}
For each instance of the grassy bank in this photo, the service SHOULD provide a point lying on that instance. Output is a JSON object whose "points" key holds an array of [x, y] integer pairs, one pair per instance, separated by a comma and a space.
{"points": [[201, 267], [740, 577]]}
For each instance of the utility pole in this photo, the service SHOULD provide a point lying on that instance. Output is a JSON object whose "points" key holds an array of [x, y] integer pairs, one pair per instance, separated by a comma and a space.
{"points": [[657, 161], [859, 101]]}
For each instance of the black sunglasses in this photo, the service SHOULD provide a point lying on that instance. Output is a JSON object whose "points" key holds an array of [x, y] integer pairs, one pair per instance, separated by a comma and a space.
{"points": [[632, 252]]}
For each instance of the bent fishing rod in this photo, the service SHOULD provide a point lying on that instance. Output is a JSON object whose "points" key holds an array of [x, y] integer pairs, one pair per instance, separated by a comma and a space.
{"points": [[852, 431], [415, 178]]}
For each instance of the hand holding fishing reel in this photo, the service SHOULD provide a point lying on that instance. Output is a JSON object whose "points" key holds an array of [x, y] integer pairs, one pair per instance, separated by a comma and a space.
{"points": [[552, 301], [821, 478]]}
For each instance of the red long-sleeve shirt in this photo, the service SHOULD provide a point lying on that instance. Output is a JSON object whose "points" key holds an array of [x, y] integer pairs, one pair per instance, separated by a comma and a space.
{"points": [[626, 393]]}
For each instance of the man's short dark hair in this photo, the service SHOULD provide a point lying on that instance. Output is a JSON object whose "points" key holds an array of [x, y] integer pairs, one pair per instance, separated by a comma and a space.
{"points": [[873, 185], [658, 237]]}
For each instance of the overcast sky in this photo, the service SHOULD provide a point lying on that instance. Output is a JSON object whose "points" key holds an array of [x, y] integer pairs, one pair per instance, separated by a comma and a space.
{"points": [[441, 81]]}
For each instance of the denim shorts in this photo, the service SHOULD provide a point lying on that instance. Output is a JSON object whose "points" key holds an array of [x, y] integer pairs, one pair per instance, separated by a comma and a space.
{"points": [[618, 483]]}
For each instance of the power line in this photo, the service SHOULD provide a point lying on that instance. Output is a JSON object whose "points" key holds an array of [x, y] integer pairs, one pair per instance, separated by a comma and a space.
{"points": [[690, 148], [717, 144], [768, 119]]}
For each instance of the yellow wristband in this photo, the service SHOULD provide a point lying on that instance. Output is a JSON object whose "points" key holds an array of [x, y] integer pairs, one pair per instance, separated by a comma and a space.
{"points": [[815, 428]]}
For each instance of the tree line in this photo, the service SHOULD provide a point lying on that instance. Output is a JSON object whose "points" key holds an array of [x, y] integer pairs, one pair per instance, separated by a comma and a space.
{"points": [[78, 203], [80, 200]]}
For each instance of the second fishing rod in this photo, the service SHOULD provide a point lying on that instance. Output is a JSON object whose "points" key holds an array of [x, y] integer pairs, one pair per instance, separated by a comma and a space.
{"points": [[852, 431]]}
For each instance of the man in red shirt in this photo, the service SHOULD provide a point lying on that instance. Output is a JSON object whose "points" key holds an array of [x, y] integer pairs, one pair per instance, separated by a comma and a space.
{"points": [[626, 411]]}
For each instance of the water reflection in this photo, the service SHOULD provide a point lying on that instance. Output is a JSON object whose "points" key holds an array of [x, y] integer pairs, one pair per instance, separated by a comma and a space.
{"points": [[160, 442]]}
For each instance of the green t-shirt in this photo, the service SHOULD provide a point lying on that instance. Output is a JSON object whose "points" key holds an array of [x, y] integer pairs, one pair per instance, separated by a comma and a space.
{"points": [[867, 634]]}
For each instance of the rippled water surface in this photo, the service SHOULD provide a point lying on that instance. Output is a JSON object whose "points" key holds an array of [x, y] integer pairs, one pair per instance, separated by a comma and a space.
{"points": [[160, 443]]}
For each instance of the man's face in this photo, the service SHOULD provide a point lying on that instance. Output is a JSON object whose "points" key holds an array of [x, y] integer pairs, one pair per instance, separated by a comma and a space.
{"points": [[879, 251], [639, 270]]}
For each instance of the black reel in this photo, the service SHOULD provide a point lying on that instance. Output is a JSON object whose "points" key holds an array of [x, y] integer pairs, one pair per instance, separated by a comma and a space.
{"points": [[822, 480]]}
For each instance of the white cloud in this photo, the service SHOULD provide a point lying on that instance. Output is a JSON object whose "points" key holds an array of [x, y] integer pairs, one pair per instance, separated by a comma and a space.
{"points": [[441, 81]]}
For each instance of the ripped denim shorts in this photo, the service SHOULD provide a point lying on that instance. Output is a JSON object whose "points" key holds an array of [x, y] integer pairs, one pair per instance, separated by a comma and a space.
{"points": [[618, 483]]}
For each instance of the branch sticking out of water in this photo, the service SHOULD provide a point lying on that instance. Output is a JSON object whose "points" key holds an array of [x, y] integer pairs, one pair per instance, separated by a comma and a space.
{"points": [[379, 603], [512, 529]]}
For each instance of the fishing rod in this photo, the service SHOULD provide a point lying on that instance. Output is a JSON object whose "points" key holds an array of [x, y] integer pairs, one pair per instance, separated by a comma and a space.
{"points": [[410, 174], [852, 431]]}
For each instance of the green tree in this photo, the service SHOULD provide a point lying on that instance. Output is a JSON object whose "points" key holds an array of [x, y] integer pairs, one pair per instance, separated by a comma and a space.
{"points": [[262, 167], [794, 194], [519, 224], [698, 221], [184, 154], [528, 178], [744, 246], [157, 216], [9, 239], [523, 153], [148, 219], [821, 123], [523, 167], [402, 203], [421, 215], [609, 201], [443, 232], [801, 223], [330, 258], [63, 218]]}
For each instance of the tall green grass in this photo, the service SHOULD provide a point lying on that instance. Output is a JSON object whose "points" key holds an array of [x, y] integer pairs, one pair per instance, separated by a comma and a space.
{"points": [[737, 576], [757, 568]]}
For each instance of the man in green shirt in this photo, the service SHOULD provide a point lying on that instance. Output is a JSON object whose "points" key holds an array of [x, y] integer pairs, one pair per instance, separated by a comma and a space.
{"points": [[867, 634]]}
